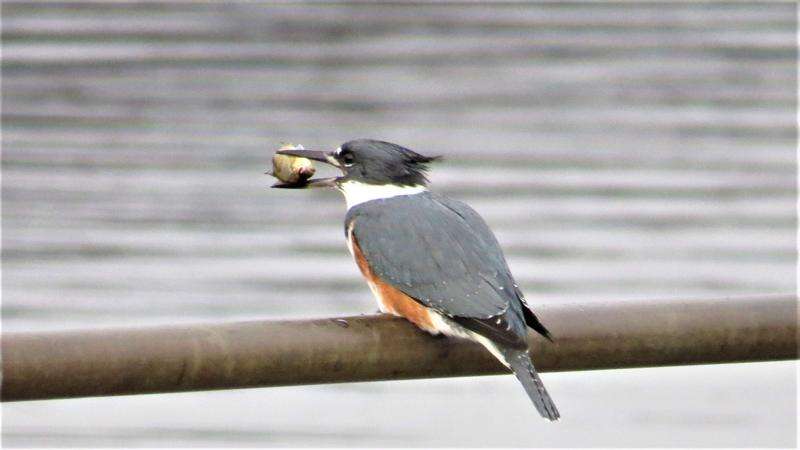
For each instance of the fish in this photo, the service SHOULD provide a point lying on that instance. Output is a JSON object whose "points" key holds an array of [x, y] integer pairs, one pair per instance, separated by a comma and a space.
{"points": [[291, 170]]}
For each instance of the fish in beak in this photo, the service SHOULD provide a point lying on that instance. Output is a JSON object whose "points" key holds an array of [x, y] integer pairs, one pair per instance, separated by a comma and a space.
{"points": [[314, 155]]}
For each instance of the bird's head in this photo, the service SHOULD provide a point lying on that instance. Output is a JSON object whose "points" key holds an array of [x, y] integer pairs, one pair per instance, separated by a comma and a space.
{"points": [[371, 162]]}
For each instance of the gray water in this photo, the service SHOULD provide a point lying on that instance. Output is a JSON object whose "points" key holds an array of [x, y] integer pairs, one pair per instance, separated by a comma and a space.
{"points": [[619, 152]]}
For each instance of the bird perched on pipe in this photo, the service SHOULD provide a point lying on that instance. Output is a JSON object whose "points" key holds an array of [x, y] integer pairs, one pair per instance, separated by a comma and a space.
{"points": [[429, 258]]}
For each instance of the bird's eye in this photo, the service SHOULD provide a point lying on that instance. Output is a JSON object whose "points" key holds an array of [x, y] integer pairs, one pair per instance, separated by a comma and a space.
{"points": [[348, 159]]}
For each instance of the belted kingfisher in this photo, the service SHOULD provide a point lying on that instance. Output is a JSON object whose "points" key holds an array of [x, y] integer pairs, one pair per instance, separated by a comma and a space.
{"points": [[431, 259]]}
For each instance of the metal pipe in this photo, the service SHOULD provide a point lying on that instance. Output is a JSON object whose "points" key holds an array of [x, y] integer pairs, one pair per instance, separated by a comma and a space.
{"points": [[275, 353]]}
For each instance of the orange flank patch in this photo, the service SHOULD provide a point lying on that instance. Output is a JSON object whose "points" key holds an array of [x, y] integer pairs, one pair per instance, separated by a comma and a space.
{"points": [[392, 299]]}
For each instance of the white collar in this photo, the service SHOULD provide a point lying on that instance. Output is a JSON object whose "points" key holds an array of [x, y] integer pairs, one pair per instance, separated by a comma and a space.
{"points": [[356, 193]]}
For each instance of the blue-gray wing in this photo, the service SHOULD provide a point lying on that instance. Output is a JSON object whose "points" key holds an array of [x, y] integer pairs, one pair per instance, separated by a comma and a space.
{"points": [[440, 252]]}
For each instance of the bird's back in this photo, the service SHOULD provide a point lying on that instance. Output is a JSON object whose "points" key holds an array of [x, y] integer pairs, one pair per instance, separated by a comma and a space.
{"points": [[440, 252]]}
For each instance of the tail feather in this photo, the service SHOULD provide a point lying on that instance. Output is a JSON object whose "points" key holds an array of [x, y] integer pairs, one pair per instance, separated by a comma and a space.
{"points": [[521, 364]]}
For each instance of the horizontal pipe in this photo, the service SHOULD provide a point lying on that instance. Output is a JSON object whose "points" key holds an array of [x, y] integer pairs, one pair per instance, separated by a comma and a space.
{"points": [[589, 335]]}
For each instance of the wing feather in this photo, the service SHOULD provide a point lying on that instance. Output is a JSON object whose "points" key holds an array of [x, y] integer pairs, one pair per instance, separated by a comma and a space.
{"points": [[441, 253]]}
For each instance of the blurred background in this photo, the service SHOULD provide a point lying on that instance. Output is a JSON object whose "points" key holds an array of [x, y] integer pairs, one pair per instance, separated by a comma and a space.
{"points": [[634, 151]]}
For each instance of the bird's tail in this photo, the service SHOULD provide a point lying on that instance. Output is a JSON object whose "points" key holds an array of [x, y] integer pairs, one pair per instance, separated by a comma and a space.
{"points": [[520, 362]]}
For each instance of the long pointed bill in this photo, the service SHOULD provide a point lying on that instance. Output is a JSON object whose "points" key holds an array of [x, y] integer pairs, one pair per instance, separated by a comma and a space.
{"points": [[313, 155], [318, 183]]}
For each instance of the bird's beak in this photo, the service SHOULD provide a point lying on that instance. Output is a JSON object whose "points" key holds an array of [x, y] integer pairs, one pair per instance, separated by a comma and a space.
{"points": [[314, 155], [318, 183]]}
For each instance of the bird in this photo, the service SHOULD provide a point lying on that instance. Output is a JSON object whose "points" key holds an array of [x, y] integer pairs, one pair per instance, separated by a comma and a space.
{"points": [[431, 259]]}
